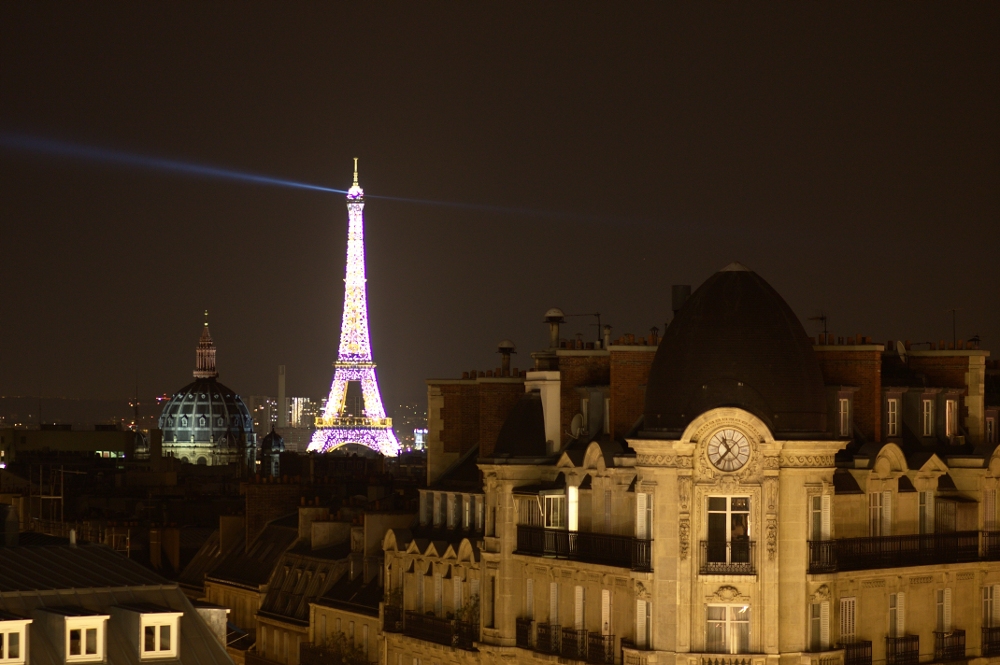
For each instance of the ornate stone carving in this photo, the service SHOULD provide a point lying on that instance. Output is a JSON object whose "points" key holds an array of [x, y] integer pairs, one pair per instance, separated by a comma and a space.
{"points": [[728, 594], [684, 534], [806, 460], [675, 461], [684, 493], [873, 584], [641, 591], [771, 494], [772, 462], [772, 538], [822, 593]]}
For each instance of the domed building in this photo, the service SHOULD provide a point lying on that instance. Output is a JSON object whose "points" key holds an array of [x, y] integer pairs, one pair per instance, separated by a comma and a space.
{"points": [[206, 422]]}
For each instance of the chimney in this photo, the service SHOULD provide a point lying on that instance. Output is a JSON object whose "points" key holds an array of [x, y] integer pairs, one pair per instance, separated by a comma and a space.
{"points": [[607, 337], [554, 317], [505, 348], [654, 336], [282, 409], [679, 295]]}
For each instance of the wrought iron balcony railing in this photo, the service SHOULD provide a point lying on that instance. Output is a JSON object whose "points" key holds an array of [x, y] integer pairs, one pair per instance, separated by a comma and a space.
{"points": [[904, 650], [548, 638], [857, 652], [991, 546], [601, 548], [392, 619], [440, 631], [574, 644], [991, 641], [726, 660], [524, 633], [728, 558], [600, 649], [949, 646], [828, 556]]}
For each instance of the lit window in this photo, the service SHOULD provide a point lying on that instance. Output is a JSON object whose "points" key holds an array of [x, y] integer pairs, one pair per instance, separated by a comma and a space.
{"points": [[950, 418], [13, 640], [892, 417], [555, 511], [728, 629], [928, 411], [844, 413]]}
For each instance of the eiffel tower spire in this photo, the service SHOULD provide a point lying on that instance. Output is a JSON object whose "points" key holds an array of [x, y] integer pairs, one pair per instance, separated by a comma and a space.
{"points": [[354, 361]]}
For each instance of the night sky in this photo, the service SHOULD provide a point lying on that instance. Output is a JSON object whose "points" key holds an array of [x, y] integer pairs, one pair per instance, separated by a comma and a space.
{"points": [[847, 152]]}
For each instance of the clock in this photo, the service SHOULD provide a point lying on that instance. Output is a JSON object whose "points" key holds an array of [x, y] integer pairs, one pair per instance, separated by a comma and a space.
{"points": [[728, 450]]}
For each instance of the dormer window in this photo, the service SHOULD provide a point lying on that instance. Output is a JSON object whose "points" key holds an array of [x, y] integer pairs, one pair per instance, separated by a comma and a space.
{"points": [[153, 630], [13, 639], [85, 638]]}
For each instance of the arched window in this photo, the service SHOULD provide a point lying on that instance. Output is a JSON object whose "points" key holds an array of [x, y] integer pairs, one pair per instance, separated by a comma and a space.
{"points": [[201, 421], [184, 422]]}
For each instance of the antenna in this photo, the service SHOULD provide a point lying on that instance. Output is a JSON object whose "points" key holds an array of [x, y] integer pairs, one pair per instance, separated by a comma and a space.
{"points": [[954, 333], [821, 317], [355, 171]]}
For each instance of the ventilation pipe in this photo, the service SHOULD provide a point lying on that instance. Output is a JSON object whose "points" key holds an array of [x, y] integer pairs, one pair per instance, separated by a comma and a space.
{"points": [[505, 348], [554, 317]]}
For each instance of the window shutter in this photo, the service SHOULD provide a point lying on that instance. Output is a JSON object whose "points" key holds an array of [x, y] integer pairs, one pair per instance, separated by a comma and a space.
{"points": [[529, 602], [825, 517], [554, 603], [947, 610], [640, 516], [605, 612], [578, 618], [900, 614], [640, 623], [996, 603], [824, 624], [847, 619], [887, 513], [989, 510]]}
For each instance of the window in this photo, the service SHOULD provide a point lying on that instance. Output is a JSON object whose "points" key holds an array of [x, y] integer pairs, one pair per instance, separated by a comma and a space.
{"points": [[928, 410], [943, 597], [991, 430], [554, 603], [728, 629], [605, 612], [820, 517], [819, 626], [892, 417], [573, 508], [950, 418], [13, 638], [844, 416], [437, 509], [848, 619], [643, 516], [466, 512], [451, 511], [897, 614], [879, 514], [926, 512], [642, 624], [990, 510], [729, 529], [555, 511], [580, 608], [991, 606], [85, 638], [479, 512], [529, 599]]}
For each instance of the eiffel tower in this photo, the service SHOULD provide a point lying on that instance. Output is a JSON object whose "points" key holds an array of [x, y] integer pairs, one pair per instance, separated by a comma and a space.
{"points": [[354, 362]]}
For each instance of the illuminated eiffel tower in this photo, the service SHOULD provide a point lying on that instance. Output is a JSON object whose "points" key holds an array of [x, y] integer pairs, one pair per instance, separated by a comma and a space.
{"points": [[354, 362]]}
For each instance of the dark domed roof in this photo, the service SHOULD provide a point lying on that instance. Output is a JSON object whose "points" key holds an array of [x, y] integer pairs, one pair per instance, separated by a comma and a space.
{"points": [[736, 342], [272, 443], [207, 411]]}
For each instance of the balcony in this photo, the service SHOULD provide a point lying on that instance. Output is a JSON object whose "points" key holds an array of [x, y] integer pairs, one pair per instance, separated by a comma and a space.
{"points": [[991, 641], [949, 646], [600, 649], [314, 654], [524, 633], [830, 556], [574, 644], [728, 558], [903, 650], [440, 631], [392, 619], [991, 545], [549, 638], [858, 652], [726, 660], [601, 548], [633, 654]]}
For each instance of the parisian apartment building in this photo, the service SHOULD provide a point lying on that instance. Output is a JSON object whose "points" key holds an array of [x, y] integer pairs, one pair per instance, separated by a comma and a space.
{"points": [[731, 492]]}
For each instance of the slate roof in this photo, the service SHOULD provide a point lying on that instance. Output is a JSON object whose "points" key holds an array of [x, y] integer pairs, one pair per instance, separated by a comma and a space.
{"points": [[523, 433], [300, 577], [91, 579], [354, 595], [736, 342], [207, 558], [462, 476], [253, 567]]}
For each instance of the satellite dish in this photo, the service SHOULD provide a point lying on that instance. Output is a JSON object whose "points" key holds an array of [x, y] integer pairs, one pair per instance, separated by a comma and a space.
{"points": [[576, 426], [901, 350]]}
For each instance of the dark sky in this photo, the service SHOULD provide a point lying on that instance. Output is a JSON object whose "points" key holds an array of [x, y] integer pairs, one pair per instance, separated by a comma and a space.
{"points": [[846, 152]]}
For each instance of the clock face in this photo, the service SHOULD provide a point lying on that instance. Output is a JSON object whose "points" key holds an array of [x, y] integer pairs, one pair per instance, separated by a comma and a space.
{"points": [[728, 450]]}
